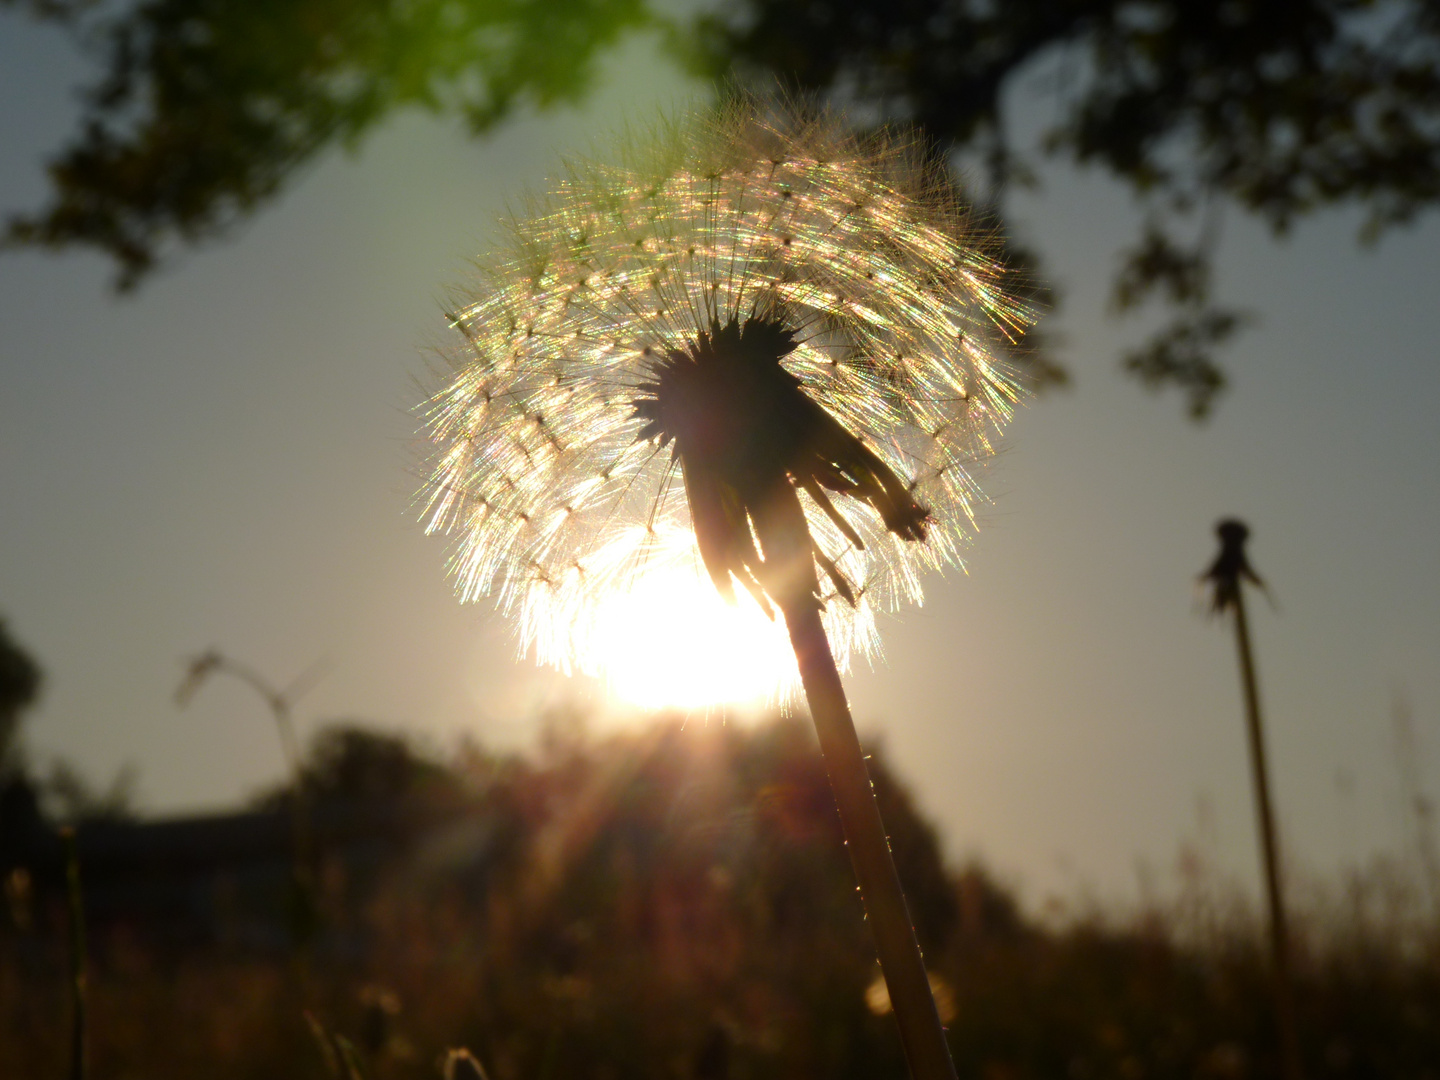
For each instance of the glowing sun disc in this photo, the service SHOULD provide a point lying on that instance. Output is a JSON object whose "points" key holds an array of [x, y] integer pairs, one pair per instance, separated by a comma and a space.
{"points": [[670, 641]]}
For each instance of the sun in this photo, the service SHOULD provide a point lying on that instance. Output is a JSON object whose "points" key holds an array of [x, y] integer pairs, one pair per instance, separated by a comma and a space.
{"points": [[670, 642]]}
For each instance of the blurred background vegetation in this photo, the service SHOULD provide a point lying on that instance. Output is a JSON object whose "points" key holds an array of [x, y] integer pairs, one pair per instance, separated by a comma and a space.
{"points": [[674, 901]]}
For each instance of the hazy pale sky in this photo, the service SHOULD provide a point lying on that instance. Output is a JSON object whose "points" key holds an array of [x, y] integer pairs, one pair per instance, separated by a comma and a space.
{"points": [[225, 459]]}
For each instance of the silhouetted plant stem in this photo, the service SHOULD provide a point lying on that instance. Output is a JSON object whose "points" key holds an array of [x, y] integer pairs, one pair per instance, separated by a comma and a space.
{"points": [[304, 914], [889, 917], [303, 901], [79, 1049], [1279, 929], [1230, 567], [1418, 806]]}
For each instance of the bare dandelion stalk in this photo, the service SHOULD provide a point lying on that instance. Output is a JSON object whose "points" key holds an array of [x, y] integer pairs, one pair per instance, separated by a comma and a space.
{"points": [[1226, 576], [811, 324]]}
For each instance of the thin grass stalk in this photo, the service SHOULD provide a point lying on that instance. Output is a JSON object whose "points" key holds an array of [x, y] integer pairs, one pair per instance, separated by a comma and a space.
{"points": [[304, 913], [921, 1032], [303, 902], [79, 959]]}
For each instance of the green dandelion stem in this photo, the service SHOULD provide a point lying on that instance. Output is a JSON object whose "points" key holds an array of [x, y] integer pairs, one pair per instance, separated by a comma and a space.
{"points": [[889, 917]]}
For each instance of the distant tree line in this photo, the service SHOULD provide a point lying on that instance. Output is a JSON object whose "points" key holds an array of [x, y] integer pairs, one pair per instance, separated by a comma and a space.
{"points": [[27, 797]]}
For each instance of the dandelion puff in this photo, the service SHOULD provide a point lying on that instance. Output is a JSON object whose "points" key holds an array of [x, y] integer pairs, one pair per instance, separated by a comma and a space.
{"points": [[885, 316], [760, 343]]}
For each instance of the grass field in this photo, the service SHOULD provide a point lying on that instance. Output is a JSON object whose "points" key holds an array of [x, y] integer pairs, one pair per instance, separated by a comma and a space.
{"points": [[677, 902]]}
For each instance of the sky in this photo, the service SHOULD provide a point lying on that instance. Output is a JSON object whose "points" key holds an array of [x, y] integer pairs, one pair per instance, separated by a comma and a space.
{"points": [[227, 459]]}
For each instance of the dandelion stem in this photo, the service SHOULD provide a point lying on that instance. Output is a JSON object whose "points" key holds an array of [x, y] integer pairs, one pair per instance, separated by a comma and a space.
{"points": [[900, 960], [1227, 576], [1279, 932]]}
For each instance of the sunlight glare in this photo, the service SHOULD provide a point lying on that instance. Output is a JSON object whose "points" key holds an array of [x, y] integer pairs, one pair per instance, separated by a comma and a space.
{"points": [[698, 651]]}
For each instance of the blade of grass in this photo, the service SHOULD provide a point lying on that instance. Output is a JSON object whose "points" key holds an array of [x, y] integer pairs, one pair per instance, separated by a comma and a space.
{"points": [[79, 959]]}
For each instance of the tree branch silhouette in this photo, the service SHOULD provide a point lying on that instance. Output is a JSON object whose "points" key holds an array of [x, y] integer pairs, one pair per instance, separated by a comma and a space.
{"points": [[1279, 109], [204, 110]]}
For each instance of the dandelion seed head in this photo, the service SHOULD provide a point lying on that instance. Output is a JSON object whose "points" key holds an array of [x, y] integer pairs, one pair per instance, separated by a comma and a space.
{"points": [[895, 313]]}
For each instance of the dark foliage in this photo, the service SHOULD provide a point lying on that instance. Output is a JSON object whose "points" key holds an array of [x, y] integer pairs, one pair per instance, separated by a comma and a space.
{"points": [[206, 108], [676, 902], [20, 681], [19, 686], [348, 761], [673, 901], [1279, 107]]}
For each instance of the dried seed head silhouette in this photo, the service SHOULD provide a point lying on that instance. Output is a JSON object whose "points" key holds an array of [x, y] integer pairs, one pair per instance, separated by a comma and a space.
{"points": [[752, 333], [1231, 566], [803, 326]]}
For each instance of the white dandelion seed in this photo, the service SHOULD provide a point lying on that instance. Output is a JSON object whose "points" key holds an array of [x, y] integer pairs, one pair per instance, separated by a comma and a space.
{"points": [[759, 343], [885, 303]]}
